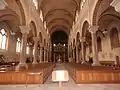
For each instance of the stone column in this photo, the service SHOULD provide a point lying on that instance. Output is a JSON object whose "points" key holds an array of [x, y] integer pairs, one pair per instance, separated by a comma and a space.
{"points": [[47, 55], [3, 4], [41, 52], [116, 5], [24, 31], [50, 54], [80, 56], [35, 49], [82, 40], [44, 54], [77, 53], [74, 54], [93, 30]]}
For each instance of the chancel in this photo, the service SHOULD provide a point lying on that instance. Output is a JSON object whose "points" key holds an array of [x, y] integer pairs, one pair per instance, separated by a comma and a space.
{"points": [[76, 41]]}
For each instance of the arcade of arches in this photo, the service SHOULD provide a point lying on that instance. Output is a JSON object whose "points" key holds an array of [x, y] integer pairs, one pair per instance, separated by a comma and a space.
{"points": [[60, 31]]}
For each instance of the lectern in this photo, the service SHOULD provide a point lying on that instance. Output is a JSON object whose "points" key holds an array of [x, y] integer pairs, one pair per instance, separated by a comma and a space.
{"points": [[60, 76]]}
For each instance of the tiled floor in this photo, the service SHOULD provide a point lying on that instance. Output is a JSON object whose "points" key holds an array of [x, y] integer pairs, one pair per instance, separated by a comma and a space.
{"points": [[49, 85]]}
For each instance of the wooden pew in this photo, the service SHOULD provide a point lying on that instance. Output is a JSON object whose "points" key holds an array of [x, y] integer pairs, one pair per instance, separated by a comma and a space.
{"points": [[83, 74], [34, 74]]}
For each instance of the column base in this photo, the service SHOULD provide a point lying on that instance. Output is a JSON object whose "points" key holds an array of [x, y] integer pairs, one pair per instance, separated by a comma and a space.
{"points": [[34, 62], [21, 65], [77, 62], [83, 62], [96, 64], [40, 61]]}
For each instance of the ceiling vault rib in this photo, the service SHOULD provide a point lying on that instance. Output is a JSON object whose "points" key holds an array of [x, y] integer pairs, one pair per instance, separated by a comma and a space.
{"points": [[54, 10], [54, 20]]}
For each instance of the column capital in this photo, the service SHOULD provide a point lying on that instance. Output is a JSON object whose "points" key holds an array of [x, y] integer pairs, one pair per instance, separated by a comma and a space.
{"points": [[116, 5], [36, 39], [41, 45], [24, 29], [3, 4], [82, 39], [93, 29]]}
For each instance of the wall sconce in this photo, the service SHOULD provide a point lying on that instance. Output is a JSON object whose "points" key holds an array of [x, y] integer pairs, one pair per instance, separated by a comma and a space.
{"points": [[60, 76]]}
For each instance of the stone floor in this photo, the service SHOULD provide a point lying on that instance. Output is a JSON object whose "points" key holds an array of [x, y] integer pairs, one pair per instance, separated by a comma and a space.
{"points": [[49, 85]]}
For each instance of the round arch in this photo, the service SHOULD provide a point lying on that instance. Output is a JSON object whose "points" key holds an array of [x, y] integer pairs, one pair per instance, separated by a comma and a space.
{"points": [[100, 7], [85, 28], [23, 21], [17, 7], [33, 28]]}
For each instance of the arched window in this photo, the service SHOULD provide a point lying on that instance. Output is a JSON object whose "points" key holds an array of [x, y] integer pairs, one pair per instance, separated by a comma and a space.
{"points": [[3, 39], [114, 38], [27, 49], [18, 45], [99, 46]]}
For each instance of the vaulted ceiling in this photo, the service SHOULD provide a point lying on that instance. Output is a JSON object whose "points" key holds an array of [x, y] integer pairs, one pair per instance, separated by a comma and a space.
{"points": [[59, 14]]}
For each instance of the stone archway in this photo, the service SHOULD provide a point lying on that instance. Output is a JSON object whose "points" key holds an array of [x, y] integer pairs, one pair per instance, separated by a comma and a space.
{"points": [[100, 7], [21, 11], [106, 18], [78, 45], [88, 40], [33, 28], [32, 33], [17, 7], [74, 50]]}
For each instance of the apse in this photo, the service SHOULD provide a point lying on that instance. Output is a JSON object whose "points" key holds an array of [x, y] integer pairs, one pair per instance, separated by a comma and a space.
{"points": [[59, 36]]}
